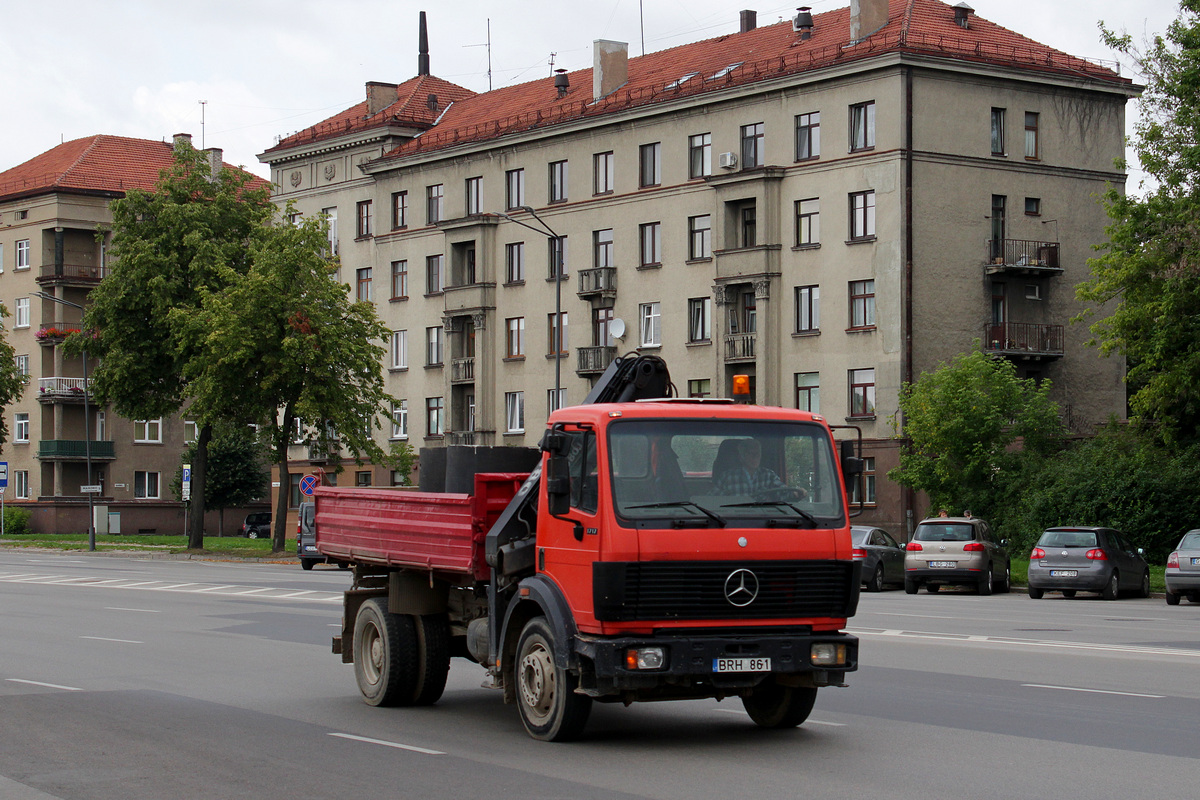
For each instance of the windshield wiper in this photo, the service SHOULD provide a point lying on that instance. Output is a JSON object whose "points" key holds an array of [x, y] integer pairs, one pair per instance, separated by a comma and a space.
{"points": [[684, 503], [759, 503]]}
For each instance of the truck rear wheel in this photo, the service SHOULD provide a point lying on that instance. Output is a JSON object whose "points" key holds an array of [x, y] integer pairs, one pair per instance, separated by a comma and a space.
{"points": [[433, 634], [775, 706], [385, 654], [550, 708]]}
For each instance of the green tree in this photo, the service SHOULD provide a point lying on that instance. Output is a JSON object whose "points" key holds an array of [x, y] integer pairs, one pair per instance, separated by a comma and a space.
{"points": [[12, 382], [961, 427], [171, 247], [1149, 271], [287, 334], [237, 468]]}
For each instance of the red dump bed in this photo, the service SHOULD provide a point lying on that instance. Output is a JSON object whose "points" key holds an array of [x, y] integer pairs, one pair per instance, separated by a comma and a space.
{"points": [[436, 532]]}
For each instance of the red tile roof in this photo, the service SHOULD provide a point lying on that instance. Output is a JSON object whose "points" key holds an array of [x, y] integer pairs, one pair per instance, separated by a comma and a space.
{"points": [[98, 164], [924, 27]]}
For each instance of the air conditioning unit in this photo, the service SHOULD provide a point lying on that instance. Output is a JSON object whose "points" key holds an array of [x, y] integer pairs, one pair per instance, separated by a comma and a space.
{"points": [[727, 160]]}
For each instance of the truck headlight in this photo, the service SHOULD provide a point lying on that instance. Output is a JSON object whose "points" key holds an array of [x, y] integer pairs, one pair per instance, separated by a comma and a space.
{"points": [[645, 657], [828, 654]]}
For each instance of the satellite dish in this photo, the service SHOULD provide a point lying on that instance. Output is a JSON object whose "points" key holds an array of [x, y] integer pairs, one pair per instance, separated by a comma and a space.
{"points": [[616, 328]]}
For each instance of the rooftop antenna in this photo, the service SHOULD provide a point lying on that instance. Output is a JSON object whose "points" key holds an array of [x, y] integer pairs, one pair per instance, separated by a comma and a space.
{"points": [[552, 55], [489, 51], [642, 26], [423, 48], [203, 105]]}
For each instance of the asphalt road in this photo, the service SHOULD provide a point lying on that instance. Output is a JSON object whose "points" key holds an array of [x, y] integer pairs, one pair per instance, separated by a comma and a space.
{"points": [[127, 678]]}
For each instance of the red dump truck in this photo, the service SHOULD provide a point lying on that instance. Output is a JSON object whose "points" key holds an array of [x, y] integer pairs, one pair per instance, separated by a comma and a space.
{"points": [[668, 549]]}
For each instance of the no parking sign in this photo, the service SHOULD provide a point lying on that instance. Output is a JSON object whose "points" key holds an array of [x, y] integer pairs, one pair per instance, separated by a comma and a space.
{"points": [[307, 484]]}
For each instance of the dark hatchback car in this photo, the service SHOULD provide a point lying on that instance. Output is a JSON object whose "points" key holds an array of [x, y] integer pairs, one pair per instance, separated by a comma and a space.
{"points": [[882, 557], [256, 526], [1087, 559]]}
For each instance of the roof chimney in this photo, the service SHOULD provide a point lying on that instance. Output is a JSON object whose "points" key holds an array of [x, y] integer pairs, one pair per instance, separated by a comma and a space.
{"points": [[180, 139], [610, 67], [962, 12], [749, 20], [423, 48], [866, 17], [561, 82], [431, 102], [216, 161], [380, 96], [802, 23]]}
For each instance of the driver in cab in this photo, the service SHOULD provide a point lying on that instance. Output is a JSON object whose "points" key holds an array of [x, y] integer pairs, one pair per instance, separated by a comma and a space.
{"points": [[750, 477]]}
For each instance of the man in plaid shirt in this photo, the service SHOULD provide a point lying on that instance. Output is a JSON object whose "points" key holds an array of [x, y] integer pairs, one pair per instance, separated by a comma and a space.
{"points": [[750, 477]]}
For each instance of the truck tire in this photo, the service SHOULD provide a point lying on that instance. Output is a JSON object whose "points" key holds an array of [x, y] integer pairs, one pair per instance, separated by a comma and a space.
{"points": [[775, 706], [385, 655], [550, 709], [433, 635]]}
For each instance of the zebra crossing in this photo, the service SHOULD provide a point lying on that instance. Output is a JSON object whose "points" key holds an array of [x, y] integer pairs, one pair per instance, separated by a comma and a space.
{"points": [[223, 589]]}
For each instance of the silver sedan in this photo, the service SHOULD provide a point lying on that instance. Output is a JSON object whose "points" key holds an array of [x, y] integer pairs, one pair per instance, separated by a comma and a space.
{"points": [[1183, 570]]}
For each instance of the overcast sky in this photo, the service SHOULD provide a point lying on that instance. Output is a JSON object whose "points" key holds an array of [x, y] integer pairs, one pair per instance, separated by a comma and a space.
{"points": [[267, 68]]}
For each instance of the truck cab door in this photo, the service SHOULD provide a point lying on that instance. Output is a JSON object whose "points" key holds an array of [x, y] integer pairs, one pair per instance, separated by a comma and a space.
{"points": [[568, 544]]}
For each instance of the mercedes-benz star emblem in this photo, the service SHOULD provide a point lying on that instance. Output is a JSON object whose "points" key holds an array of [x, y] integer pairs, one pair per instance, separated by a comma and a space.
{"points": [[741, 587]]}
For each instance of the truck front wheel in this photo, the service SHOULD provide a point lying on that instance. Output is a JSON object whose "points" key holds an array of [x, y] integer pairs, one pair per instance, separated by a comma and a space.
{"points": [[550, 708], [775, 706], [385, 654]]}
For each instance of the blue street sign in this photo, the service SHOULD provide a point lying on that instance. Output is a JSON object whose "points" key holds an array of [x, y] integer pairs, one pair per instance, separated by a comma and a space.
{"points": [[3, 474], [307, 484]]}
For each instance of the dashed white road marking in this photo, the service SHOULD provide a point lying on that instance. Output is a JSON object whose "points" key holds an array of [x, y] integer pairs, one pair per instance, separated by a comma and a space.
{"points": [[1010, 641], [1093, 691], [141, 610], [47, 685], [384, 743], [106, 639], [220, 589]]}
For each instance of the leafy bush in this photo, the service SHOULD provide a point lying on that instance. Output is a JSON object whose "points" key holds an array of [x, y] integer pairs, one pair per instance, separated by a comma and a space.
{"points": [[16, 521]]}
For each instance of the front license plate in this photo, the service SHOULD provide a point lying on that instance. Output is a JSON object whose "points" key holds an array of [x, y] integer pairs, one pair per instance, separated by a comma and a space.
{"points": [[1064, 573], [741, 665], [942, 564]]}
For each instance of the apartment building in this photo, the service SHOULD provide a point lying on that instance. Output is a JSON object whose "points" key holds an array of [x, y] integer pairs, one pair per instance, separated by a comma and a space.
{"points": [[831, 205], [53, 214]]}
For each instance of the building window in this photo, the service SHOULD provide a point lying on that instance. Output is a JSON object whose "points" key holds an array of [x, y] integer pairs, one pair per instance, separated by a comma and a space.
{"points": [[514, 189], [22, 363], [862, 126], [862, 490], [700, 237], [400, 420], [558, 182], [700, 319], [753, 137], [330, 215], [145, 485], [399, 210], [748, 224], [555, 400], [557, 334], [433, 275], [434, 195], [99, 429], [1033, 206], [474, 190], [514, 262], [651, 327], [862, 304], [147, 431], [603, 173], [601, 322], [514, 412], [514, 337], [399, 349], [808, 392], [435, 416], [362, 477], [808, 222], [21, 426], [363, 218], [700, 387], [21, 479], [700, 155], [22, 315], [650, 241], [558, 258], [862, 392], [362, 284], [22, 254], [191, 431], [808, 135], [862, 215], [650, 164], [433, 346], [998, 223], [399, 280], [808, 309], [1031, 136], [997, 131], [602, 248]]}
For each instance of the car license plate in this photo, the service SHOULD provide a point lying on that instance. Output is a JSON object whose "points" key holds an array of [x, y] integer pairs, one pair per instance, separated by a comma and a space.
{"points": [[741, 665], [942, 564], [1064, 573], [1195, 562]]}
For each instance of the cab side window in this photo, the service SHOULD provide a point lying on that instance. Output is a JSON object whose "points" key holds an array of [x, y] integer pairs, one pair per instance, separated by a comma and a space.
{"points": [[585, 477]]}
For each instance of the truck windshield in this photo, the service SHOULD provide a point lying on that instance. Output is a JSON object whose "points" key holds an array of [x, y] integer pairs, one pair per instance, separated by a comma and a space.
{"points": [[731, 471]]}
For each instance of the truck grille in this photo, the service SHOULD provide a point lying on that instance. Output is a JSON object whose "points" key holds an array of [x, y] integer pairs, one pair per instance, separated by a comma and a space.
{"points": [[691, 590]]}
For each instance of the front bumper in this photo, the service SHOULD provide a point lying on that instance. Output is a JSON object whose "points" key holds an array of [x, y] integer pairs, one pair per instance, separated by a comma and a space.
{"points": [[688, 669]]}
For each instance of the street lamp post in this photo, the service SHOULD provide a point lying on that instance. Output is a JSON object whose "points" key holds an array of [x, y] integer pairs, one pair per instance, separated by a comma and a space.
{"points": [[87, 432]]}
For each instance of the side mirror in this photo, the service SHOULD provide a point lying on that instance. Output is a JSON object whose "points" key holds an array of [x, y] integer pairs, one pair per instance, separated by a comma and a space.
{"points": [[555, 443], [558, 484]]}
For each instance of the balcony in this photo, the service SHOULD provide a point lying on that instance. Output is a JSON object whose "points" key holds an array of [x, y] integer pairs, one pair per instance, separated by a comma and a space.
{"points": [[739, 347], [594, 360], [51, 334], [462, 370], [74, 450], [70, 275], [324, 452], [1024, 341], [62, 390], [469, 297], [1022, 257], [599, 282], [478, 438]]}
